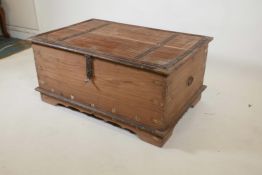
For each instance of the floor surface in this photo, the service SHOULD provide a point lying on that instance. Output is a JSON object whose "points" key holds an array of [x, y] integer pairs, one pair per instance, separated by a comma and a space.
{"points": [[221, 135]]}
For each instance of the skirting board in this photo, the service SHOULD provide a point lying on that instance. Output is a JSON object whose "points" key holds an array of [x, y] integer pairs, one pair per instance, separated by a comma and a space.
{"points": [[21, 33]]}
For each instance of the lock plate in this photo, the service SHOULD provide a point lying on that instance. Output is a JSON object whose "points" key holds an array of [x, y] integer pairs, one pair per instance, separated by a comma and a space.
{"points": [[89, 67]]}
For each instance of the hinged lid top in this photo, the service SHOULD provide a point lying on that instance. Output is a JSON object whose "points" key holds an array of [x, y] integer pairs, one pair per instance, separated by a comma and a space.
{"points": [[141, 47]]}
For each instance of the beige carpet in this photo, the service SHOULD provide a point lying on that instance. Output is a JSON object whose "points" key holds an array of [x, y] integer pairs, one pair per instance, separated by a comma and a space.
{"points": [[222, 135]]}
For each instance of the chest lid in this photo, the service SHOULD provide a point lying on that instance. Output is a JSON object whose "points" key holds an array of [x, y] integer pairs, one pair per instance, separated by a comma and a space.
{"points": [[145, 48]]}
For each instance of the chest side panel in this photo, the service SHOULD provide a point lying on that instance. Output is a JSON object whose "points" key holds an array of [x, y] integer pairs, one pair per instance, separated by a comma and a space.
{"points": [[125, 91], [183, 84]]}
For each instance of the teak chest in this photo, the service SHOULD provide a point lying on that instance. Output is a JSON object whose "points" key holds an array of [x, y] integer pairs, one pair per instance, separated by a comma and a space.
{"points": [[140, 79]]}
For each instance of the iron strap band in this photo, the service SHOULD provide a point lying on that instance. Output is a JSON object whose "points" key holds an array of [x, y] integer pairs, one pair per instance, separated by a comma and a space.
{"points": [[89, 67], [98, 111], [156, 132]]}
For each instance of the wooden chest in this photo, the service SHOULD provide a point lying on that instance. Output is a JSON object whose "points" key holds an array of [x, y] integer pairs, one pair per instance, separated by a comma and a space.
{"points": [[140, 79]]}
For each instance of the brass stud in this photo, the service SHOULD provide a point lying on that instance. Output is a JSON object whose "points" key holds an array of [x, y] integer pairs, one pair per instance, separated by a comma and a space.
{"points": [[156, 121], [87, 80], [155, 101], [157, 82], [155, 138], [137, 118]]}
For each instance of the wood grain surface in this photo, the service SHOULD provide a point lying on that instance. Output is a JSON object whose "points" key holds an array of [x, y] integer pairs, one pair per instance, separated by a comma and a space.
{"points": [[145, 48], [141, 79]]}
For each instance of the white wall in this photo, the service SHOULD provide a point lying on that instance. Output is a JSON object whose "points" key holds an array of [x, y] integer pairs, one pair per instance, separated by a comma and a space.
{"points": [[21, 17], [236, 25]]}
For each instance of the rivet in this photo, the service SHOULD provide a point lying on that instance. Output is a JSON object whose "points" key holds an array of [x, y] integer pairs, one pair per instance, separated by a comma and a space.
{"points": [[113, 110], [93, 105], [72, 97]]}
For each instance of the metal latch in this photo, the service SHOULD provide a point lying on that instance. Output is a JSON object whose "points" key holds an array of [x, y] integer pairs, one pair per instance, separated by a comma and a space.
{"points": [[89, 67]]}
